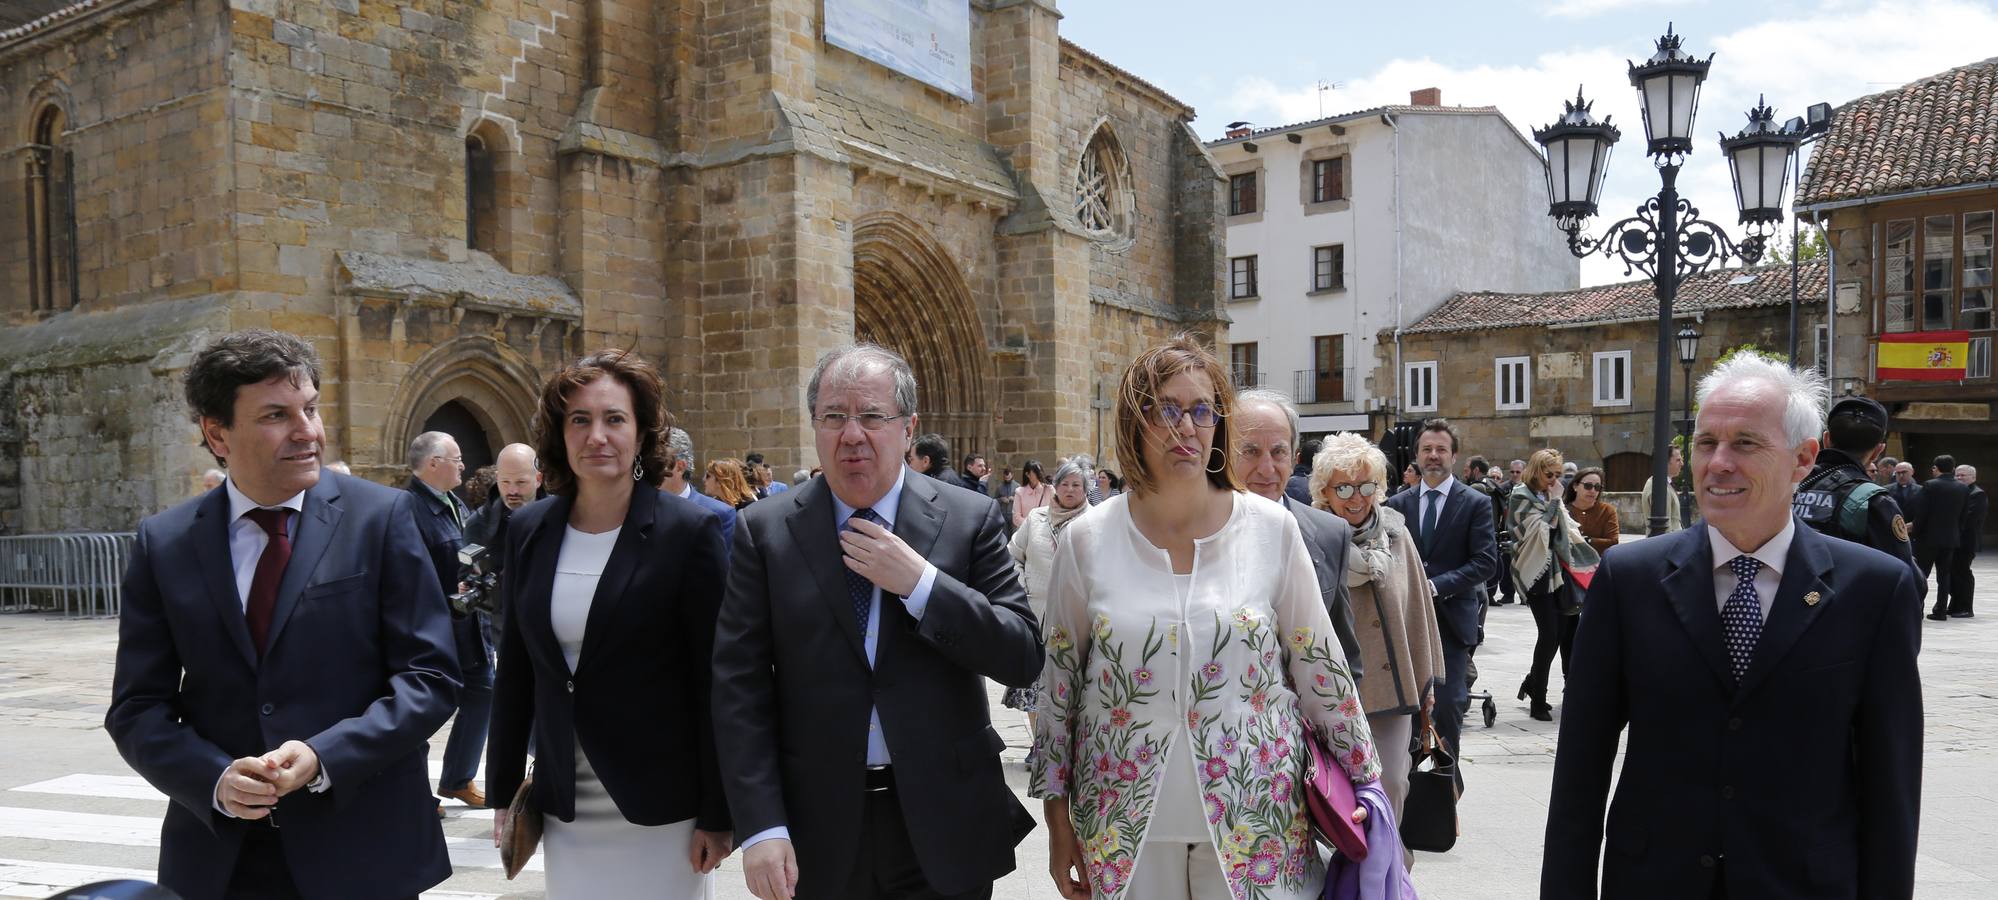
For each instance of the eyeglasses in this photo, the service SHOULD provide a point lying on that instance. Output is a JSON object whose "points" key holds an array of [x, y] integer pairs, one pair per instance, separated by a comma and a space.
{"points": [[1590, 486], [1168, 413], [868, 421], [1346, 491], [454, 460]]}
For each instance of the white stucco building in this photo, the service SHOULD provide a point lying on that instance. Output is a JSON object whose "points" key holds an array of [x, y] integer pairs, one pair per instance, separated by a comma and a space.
{"points": [[1343, 229]]}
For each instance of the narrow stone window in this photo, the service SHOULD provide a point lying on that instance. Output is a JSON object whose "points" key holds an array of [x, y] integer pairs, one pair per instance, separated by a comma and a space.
{"points": [[51, 209], [481, 208]]}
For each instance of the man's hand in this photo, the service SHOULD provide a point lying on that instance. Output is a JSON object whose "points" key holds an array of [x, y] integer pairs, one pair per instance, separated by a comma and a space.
{"points": [[770, 869], [882, 558], [708, 849], [246, 790], [293, 765]]}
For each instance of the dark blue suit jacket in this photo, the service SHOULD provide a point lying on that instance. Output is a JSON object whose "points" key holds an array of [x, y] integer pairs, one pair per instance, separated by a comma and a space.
{"points": [[1461, 557], [723, 512], [359, 665], [638, 700], [442, 537], [1803, 781]]}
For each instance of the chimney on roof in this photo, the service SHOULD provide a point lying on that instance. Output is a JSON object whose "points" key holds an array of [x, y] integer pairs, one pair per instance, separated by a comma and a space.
{"points": [[1241, 132], [1426, 97]]}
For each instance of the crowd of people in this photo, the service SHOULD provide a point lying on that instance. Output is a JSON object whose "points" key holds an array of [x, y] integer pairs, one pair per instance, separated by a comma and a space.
{"points": [[1183, 637]]}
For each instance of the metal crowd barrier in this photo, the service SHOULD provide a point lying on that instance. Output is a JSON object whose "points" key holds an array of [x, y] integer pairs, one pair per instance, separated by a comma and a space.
{"points": [[76, 573]]}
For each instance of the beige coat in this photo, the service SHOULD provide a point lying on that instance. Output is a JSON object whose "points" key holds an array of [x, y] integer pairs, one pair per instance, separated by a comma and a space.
{"points": [[1395, 616]]}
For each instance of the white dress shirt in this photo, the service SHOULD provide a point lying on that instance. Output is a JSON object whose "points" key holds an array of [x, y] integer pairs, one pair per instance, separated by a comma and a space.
{"points": [[246, 547], [1773, 553], [916, 603]]}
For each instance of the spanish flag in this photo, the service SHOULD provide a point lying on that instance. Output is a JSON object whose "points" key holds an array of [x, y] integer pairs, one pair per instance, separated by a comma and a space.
{"points": [[1923, 356]]}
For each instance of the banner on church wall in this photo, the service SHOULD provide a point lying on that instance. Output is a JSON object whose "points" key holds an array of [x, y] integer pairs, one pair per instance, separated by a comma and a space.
{"points": [[928, 40]]}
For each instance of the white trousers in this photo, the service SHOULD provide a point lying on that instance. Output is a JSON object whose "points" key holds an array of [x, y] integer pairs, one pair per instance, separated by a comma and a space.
{"points": [[1168, 870]]}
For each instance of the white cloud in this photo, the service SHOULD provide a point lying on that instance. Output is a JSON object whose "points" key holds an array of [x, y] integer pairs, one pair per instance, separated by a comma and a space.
{"points": [[1840, 52], [1584, 9]]}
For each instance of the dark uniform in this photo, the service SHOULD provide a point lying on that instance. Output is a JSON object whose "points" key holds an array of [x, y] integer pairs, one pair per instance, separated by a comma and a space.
{"points": [[1838, 500]]}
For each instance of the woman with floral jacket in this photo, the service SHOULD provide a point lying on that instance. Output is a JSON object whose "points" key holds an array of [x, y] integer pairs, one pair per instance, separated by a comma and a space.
{"points": [[1189, 659]]}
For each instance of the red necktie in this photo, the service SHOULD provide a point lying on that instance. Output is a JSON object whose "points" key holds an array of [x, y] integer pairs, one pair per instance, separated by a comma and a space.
{"points": [[270, 570]]}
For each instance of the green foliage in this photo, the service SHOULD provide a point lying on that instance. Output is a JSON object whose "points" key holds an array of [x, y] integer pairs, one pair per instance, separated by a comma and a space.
{"points": [[1810, 245]]}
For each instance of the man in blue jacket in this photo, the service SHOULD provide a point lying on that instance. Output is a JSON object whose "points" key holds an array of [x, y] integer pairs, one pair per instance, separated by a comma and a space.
{"points": [[284, 653]]}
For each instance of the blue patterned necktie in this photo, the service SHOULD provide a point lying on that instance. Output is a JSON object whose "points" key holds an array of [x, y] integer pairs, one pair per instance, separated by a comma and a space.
{"points": [[1741, 618], [859, 589], [1434, 504]]}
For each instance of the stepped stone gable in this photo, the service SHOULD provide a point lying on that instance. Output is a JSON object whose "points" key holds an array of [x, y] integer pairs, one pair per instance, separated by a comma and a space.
{"points": [[450, 199]]}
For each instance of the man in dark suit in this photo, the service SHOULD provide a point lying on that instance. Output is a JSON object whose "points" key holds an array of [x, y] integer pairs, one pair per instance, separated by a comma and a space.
{"points": [[931, 456], [516, 483], [1767, 677], [1905, 490], [283, 654], [679, 483], [1938, 529], [1266, 425], [1459, 547], [863, 614], [436, 467], [1962, 584]]}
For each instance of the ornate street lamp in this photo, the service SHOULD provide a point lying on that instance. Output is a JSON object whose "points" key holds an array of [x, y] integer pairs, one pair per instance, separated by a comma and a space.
{"points": [[1666, 239], [1688, 340], [1759, 158]]}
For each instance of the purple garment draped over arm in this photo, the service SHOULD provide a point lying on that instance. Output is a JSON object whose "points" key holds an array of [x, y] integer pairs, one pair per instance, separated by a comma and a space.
{"points": [[1381, 876]]}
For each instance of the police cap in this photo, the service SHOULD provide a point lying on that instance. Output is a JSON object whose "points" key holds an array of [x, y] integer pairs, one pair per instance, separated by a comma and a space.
{"points": [[1861, 407]]}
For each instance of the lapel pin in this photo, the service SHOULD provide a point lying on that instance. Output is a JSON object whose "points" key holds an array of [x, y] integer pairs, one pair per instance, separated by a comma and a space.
{"points": [[1811, 599]]}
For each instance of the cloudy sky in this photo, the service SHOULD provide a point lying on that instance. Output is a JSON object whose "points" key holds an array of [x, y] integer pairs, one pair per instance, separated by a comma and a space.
{"points": [[1263, 61]]}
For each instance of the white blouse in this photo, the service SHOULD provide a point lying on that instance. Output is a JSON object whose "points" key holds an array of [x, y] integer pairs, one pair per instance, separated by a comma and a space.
{"points": [[578, 568], [1145, 681]]}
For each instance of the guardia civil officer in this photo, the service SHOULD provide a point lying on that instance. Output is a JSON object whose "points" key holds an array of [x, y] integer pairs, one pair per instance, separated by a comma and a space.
{"points": [[1837, 499]]}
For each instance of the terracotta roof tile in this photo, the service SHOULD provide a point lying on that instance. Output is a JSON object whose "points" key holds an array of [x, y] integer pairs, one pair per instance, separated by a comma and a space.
{"points": [[1941, 131], [1760, 286]]}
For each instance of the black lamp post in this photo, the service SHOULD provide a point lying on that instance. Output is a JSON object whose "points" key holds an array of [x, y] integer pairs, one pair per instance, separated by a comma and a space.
{"points": [[1666, 239], [1688, 340]]}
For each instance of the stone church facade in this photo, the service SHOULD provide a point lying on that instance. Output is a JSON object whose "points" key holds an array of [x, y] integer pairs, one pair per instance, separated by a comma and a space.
{"points": [[451, 198]]}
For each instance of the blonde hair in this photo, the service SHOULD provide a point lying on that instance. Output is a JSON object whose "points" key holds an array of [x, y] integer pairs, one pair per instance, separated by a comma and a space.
{"points": [[1542, 457], [1139, 389], [1347, 452]]}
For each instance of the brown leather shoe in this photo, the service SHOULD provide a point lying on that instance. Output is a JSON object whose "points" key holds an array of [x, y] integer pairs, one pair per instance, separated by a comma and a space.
{"points": [[470, 795]]}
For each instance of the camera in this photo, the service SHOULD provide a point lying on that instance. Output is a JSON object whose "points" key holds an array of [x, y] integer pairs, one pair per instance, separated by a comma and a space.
{"points": [[481, 592]]}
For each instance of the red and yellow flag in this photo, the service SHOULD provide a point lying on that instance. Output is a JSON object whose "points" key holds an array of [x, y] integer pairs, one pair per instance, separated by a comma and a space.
{"points": [[1923, 356]]}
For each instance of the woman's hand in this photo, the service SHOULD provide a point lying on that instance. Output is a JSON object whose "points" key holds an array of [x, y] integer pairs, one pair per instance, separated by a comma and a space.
{"points": [[1359, 815], [709, 848], [1065, 864], [499, 824]]}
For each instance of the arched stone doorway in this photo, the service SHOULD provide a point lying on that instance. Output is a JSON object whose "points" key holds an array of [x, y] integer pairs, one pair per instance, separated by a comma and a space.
{"points": [[909, 296], [472, 387]]}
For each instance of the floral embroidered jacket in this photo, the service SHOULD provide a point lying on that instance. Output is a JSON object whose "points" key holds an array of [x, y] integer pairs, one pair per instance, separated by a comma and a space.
{"points": [[1235, 673]]}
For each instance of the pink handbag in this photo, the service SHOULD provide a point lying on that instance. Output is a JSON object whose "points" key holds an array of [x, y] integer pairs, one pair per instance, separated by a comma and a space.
{"points": [[1329, 798]]}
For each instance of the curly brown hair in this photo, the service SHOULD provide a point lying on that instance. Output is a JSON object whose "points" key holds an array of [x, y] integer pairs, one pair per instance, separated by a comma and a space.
{"points": [[1139, 390], [648, 401], [732, 484]]}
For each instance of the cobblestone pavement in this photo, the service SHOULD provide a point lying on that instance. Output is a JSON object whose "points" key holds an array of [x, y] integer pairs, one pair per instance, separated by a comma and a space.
{"points": [[71, 812]]}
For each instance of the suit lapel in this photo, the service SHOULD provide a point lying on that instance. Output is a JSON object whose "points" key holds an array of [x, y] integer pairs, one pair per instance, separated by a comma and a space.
{"points": [[817, 537], [626, 554], [919, 521], [218, 572], [1789, 616], [1690, 588], [539, 549], [318, 522]]}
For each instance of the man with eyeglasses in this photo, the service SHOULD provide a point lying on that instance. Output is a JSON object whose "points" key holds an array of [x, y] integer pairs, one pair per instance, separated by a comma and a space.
{"points": [[864, 612], [437, 468]]}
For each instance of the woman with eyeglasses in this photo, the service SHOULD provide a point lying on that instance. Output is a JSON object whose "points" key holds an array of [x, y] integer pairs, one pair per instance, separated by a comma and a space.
{"points": [[1189, 658], [1391, 600], [1596, 518], [1549, 547]]}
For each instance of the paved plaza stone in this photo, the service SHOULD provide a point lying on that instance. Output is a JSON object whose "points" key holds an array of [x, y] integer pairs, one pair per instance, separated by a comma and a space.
{"points": [[71, 812]]}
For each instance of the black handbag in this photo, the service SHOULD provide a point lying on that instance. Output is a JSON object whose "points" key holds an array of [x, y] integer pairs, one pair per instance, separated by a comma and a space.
{"points": [[1429, 812]]}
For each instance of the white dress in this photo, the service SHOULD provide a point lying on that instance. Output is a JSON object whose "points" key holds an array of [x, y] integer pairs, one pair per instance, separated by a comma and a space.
{"points": [[601, 854]]}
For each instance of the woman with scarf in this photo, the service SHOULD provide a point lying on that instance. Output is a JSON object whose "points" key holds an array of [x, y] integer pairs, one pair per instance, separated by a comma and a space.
{"points": [[1391, 600], [1551, 554], [1033, 556]]}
